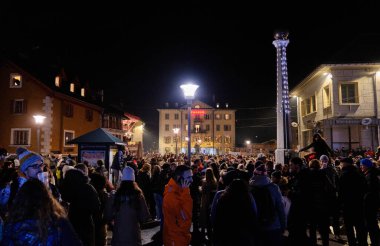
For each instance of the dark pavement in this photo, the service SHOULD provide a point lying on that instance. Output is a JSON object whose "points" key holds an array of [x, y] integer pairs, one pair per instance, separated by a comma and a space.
{"points": [[150, 232]]}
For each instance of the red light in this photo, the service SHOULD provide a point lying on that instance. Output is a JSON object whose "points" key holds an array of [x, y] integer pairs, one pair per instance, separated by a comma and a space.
{"points": [[197, 112]]}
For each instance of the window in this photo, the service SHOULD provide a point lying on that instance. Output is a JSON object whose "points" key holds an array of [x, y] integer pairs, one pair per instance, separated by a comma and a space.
{"points": [[349, 92], [20, 136], [166, 127], [218, 139], [217, 128], [176, 126], [167, 140], [326, 97], [72, 87], [185, 116], [227, 128], [197, 106], [18, 106], [15, 80], [197, 117], [227, 116], [186, 128], [207, 139], [207, 116], [227, 139], [69, 110], [68, 136], [89, 115], [217, 116], [166, 116], [176, 116], [308, 106], [197, 128], [207, 127], [57, 81], [82, 92]]}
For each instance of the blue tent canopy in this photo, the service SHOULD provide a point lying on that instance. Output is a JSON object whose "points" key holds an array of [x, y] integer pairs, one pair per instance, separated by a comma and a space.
{"points": [[97, 136]]}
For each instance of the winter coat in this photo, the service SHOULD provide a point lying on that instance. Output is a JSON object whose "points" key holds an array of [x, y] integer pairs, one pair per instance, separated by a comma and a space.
{"points": [[352, 189], [177, 209], [84, 204], [127, 222], [320, 148], [280, 219], [26, 233]]}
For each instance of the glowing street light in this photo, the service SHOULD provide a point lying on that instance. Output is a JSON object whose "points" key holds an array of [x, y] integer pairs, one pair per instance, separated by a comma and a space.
{"points": [[39, 119], [175, 131], [189, 93], [248, 142]]}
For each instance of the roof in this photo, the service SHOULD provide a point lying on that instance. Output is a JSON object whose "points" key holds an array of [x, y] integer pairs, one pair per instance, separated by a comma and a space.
{"points": [[99, 136], [132, 117]]}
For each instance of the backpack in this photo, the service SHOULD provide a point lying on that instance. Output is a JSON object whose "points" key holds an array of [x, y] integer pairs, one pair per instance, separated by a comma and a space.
{"points": [[266, 211]]}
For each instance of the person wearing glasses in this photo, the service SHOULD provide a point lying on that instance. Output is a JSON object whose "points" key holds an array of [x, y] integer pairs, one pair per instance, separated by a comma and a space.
{"points": [[31, 165]]}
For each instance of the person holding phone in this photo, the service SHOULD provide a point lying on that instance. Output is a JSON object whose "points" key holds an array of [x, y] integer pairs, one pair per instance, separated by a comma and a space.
{"points": [[177, 207]]}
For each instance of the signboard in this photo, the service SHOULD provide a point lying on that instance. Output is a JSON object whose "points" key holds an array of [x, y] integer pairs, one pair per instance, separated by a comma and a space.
{"points": [[92, 156]]}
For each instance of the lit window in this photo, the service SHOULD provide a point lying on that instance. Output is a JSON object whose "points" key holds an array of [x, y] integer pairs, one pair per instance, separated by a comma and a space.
{"points": [[68, 136], [227, 116], [167, 140], [326, 97], [57, 81], [15, 81], [227, 139], [349, 93], [72, 87], [217, 116], [82, 92], [197, 106], [197, 127]]}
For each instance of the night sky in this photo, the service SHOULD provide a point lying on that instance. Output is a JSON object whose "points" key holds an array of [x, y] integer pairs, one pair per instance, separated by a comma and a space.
{"points": [[140, 55]]}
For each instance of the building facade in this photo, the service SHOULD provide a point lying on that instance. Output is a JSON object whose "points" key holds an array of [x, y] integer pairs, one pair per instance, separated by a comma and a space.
{"points": [[68, 114], [341, 101], [212, 129]]}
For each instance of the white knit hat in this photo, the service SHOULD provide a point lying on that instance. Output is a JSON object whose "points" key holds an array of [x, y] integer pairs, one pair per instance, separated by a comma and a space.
{"points": [[128, 174]]}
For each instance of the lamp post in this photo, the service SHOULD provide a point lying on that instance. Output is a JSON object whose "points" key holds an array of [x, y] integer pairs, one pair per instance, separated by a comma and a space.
{"points": [[189, 92], [175, 131], [39, 119], [248, 142]]}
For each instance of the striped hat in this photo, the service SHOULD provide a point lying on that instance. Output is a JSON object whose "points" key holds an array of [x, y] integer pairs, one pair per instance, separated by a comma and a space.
{"points": [[27, 158]]}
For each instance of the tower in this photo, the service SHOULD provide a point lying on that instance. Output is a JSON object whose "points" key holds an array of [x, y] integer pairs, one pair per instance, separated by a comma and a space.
{"points": [[283, 108]]}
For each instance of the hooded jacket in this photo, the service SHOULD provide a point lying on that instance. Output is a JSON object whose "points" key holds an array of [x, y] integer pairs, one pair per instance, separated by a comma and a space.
{"points": [[177, 209]]}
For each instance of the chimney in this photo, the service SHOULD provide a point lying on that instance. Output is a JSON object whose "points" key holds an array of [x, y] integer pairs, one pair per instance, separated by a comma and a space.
{"points": [[167, 105], [176, 105]]}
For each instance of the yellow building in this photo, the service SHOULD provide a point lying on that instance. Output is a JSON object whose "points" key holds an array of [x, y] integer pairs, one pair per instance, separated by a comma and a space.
{"points": [[64, 103], [212, 129]]}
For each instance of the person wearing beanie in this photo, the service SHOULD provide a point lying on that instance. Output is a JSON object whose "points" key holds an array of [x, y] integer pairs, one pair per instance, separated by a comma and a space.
{"points": [[128, 210], [270, 208], [371, 199], [31, 164], [177, 207]]}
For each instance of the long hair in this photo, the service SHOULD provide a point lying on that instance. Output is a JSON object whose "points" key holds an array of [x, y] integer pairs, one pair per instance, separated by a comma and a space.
{"points": [[209, 176], [129, 192], [34, 201]]}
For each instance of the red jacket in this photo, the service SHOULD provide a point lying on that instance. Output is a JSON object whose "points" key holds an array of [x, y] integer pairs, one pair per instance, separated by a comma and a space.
{"points": [[177, 207]]}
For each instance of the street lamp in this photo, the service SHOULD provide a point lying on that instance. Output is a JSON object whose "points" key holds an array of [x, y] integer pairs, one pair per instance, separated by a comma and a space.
{"points": [[248, 142], [189, 92], [175, 131], [39, 119]]}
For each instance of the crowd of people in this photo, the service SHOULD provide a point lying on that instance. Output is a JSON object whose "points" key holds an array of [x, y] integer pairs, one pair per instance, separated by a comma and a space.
{"points": [[208, 200]]}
